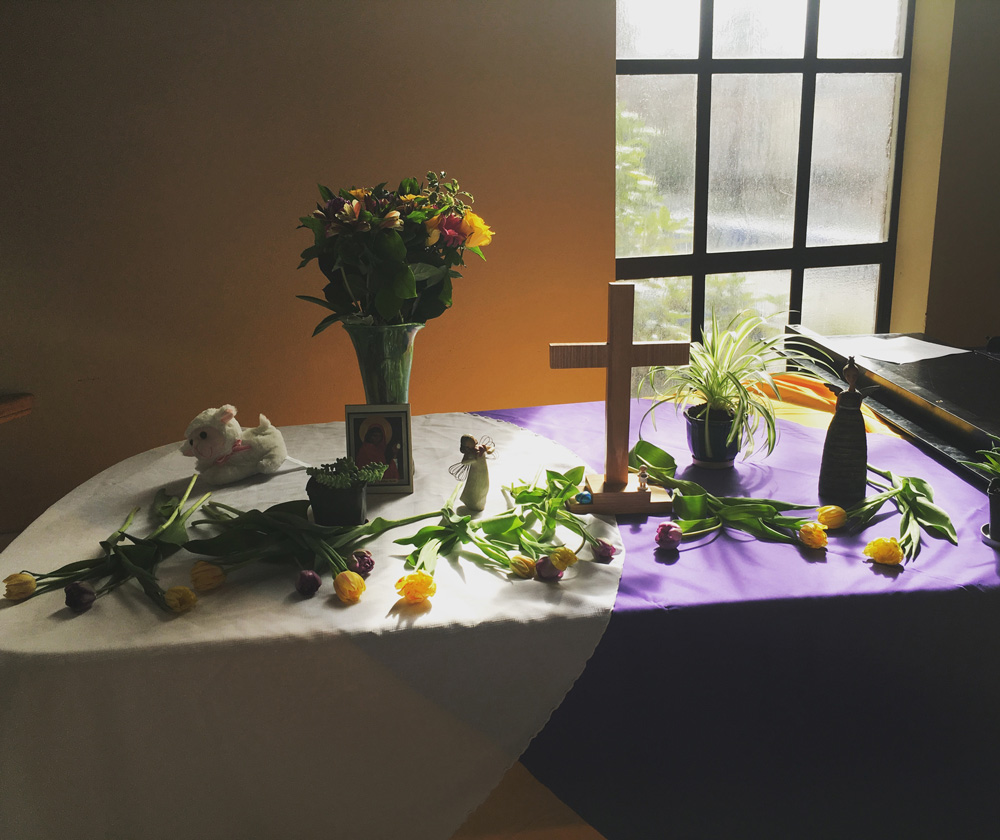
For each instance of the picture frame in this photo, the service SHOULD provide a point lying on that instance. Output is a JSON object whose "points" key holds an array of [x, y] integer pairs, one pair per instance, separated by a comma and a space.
{"points": [[382, 433]]}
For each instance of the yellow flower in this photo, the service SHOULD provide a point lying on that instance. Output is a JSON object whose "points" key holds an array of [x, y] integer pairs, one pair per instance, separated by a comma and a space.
{"points": [[813, 534], [562, 558], [206, 576], [831, 516], [360, 192], [19, 587], [476, 231], [409, 197], [431, 225], [884, 550], [180, 598], [523, 567], [416, 587], [349, 586]]}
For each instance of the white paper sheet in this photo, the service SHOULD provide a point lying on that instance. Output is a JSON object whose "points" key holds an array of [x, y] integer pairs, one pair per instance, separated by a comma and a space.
{"points": [[898, 350]]}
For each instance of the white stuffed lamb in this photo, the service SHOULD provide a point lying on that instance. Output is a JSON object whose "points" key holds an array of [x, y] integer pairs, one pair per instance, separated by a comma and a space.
{"points": [[226, 453]]}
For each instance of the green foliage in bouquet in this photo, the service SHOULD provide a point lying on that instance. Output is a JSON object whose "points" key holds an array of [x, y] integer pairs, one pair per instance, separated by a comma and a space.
{"points": [[389, 256]]}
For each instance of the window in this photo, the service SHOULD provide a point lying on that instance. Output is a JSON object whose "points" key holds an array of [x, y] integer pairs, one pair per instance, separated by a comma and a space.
{"points": [[758, 160]]}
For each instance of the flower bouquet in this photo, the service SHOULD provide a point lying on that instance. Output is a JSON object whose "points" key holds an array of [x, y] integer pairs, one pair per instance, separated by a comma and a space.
{"points": [[389, 256]]}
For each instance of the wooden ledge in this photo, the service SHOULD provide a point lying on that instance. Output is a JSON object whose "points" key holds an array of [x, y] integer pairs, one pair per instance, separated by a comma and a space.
{"points": [[13, 406]]}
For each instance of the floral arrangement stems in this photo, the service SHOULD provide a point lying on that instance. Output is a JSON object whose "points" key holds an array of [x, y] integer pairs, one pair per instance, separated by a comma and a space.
{"points": [[283, 533], [126, 557], [529, 528], [915, 500], [700, 512]]}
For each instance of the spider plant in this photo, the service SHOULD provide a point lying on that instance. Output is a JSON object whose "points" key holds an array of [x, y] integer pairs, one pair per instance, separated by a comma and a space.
{"points": [[728, 377]]}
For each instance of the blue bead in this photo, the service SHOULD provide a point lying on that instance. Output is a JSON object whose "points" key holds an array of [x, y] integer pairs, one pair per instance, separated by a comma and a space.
{"points": [[584, 498]]}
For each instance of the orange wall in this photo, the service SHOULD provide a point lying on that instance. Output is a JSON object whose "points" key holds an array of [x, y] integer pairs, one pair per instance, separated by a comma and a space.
{"points": [[157, 157]]}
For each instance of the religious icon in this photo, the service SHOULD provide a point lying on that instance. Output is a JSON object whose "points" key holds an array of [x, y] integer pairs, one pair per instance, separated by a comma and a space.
{"points": [[381, 434], [473, 469]]}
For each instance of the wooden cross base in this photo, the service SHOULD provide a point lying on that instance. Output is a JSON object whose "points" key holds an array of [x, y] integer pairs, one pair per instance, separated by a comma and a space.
{"points": [[655, 501]]}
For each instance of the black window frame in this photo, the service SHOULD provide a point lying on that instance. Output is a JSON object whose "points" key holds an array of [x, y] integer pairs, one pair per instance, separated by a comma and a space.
{"points": [[797, 258]]}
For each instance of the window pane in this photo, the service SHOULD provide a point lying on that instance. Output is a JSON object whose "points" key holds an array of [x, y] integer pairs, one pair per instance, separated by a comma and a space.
{"points": [[861, 28], [759, 29], [852, 158], [752, 161], [763, 292], [657, 29], [654, 165], [662, 313], [840, 300]]}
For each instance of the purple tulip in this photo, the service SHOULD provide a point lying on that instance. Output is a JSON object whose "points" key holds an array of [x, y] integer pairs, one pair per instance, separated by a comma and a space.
{"points": [[668, 535], [308, 583], [603, 551], [546, 571], [361, 562], [80, 596]]}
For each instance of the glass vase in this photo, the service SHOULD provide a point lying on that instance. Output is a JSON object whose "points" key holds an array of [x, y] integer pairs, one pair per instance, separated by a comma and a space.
{"points": [[385, 355]]}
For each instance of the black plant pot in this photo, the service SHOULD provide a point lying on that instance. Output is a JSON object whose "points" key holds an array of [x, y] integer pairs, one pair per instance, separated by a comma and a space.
{"points": [[993, 494], [337, 506], [710, 448]]}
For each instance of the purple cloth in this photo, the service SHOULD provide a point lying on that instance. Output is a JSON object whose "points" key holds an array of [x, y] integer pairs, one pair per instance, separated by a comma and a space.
{"points": [[764, 709], [732, 566]]}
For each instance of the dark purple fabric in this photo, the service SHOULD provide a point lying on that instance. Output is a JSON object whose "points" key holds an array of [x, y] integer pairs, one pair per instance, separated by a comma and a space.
{"points": [[759, 711], [734, 567]]}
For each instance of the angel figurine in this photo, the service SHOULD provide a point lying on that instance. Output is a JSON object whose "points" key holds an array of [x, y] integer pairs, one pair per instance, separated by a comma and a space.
{"points": [[473, 469]]}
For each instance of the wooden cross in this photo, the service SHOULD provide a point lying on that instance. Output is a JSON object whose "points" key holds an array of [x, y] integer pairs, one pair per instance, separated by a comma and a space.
{"points": [[616, 491]]}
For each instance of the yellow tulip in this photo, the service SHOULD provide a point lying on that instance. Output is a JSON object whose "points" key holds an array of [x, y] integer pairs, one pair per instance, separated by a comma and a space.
{"points": [[813, 534], [416, 587], [349, 587], [562, 558], [477, 232], [523, 567], [206, 576], [19, 586], [884, 550], [831, 516], [180, 599]]}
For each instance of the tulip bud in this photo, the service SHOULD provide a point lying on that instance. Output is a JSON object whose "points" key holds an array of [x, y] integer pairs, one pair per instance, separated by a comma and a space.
{"points": [[562, 558], [19, 586], [80, 596], [523, 567], [831, 516], [546, 570], [308, 583], [206, 576], [603, 551], [668, 535], [813, 535], [349, 586], [361, 562], [180, 599]]}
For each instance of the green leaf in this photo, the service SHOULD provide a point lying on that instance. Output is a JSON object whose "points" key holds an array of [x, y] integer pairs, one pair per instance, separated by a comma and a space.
{"points": [[691, 507], [325, 192], [501, 524], [652, 457], [328, 321], [387, 304]]}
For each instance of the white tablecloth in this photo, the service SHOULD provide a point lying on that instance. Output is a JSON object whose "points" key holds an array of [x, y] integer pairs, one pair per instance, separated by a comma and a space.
{"points": [[264, 715]]}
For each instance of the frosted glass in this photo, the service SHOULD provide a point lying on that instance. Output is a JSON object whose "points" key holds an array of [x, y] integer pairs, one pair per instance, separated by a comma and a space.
{"points": [[752, 161], [658, 29], [759, 29], [840, 300], [762, 292], [662, 313], [654, 165], [861, 28], [852, 158]]}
